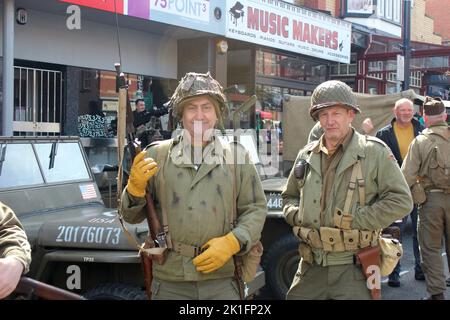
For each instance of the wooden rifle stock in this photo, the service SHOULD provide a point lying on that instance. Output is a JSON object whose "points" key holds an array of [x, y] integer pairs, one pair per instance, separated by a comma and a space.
{"points": [[154, 225], [28, 286]]}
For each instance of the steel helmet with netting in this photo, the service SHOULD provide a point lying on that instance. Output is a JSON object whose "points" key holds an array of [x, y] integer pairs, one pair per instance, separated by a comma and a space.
{"points": [[198, 84], [332, 93]]}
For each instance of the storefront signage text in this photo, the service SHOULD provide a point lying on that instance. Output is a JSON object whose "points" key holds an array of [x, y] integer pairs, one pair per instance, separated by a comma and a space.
{"points": [[280, 25]]}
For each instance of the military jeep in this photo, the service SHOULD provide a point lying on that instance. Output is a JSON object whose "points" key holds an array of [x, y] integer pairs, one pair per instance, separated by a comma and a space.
{"points": [[77, 243]]}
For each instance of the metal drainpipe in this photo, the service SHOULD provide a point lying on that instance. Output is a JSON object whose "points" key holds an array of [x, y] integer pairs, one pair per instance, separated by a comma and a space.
{"points": [[8, 68], [406, 41]]}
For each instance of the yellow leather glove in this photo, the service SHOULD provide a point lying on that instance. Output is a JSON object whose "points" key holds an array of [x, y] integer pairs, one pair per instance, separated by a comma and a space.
{"points": [[141, 171], [218, 252]]}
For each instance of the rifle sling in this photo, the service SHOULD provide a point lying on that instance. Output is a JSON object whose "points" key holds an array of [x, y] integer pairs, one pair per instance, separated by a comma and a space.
{"points": [[162, 153], [233, 220]]}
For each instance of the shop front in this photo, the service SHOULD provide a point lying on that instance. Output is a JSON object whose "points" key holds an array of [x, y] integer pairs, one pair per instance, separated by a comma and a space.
{"points": [[274, 49], [64, 77], [429, 67]]}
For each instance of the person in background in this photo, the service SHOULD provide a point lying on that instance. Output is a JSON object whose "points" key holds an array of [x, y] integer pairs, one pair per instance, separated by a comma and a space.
{"points": [[398, 136], [427, 164], [141, 117]]}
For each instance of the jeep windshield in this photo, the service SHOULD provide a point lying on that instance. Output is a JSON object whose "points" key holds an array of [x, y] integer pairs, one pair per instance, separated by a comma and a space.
{"points": [[28, 164]]}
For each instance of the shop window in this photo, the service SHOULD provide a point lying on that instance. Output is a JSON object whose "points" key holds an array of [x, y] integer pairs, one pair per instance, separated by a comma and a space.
{"points": [[397, 6], [390, 10], [375, 69], [334, 69], [86, 78], [372, 87], [289, 67], [380, 9], [99, 87], [345, 69], [391, 88], [391, 76], [415, 79]]}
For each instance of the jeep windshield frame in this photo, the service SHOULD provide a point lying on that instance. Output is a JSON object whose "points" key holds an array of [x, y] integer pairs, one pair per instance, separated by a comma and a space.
{"points": [[27, 163]]}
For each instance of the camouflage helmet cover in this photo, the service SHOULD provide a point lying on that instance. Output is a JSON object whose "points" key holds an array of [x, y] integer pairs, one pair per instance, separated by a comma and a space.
{"points": [[433, 106], [332, 93], [197, 84]]}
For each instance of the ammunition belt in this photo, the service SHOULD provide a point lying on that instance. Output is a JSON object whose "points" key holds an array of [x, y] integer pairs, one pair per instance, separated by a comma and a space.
{"points": [[337, 240]]}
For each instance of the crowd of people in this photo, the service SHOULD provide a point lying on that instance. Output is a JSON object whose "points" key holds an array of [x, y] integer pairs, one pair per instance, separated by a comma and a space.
{"points": [[344, 188]]}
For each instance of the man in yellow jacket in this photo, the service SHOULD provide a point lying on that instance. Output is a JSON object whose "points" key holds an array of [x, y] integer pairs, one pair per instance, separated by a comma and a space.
{"points": [[333, 213]]}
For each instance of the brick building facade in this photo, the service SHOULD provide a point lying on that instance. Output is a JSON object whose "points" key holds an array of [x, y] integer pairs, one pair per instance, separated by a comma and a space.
{"points": [[423, 26], [439, 11]]}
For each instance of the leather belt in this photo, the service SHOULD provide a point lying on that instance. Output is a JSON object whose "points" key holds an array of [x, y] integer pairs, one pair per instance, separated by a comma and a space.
{"points": [[439, 190], [186, 249]]}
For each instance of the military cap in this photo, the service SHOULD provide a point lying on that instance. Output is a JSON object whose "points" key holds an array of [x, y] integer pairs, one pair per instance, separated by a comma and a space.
{"points": [[433, 106]]}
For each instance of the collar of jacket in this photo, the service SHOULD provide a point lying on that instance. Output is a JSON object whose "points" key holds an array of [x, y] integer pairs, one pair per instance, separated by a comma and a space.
{"points": [[213, 153], [442, 129], [416, 125], [354, 150]]}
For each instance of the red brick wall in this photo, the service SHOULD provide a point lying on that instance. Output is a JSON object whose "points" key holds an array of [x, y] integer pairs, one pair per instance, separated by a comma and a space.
{"points": [[439, 10], [332, 6], [316, 4]]}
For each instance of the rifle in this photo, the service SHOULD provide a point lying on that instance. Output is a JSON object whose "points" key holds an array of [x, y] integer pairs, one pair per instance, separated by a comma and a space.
{"points": [[157, 236], [29, 287]]}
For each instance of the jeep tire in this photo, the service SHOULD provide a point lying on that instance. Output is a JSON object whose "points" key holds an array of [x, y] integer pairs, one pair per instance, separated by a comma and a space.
{"points": [[280, 265]]}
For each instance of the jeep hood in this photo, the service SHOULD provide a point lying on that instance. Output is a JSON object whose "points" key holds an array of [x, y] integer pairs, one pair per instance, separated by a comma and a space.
{"points": [[83, 228], [274, 184]]}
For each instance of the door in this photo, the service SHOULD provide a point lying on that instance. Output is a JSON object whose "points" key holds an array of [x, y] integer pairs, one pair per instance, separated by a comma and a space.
{"points": [[38, 101]]}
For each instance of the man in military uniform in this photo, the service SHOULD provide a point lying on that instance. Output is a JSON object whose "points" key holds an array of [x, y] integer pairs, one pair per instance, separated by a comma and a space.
{"points": [[342, 190], [197, 189], [428, 164], [15, 252]]}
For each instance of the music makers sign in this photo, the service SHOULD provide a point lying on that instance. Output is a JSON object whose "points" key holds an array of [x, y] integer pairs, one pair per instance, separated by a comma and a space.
{"points": [[284, 26]]}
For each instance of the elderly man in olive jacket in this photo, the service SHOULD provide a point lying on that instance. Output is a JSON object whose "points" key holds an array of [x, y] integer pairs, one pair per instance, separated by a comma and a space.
{"points": [[198, 188], [332, 221]]}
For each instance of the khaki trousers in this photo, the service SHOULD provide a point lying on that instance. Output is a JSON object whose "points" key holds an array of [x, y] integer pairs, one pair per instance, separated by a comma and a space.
{"points": [[434, 224], [341, 282], [218, 289]]}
